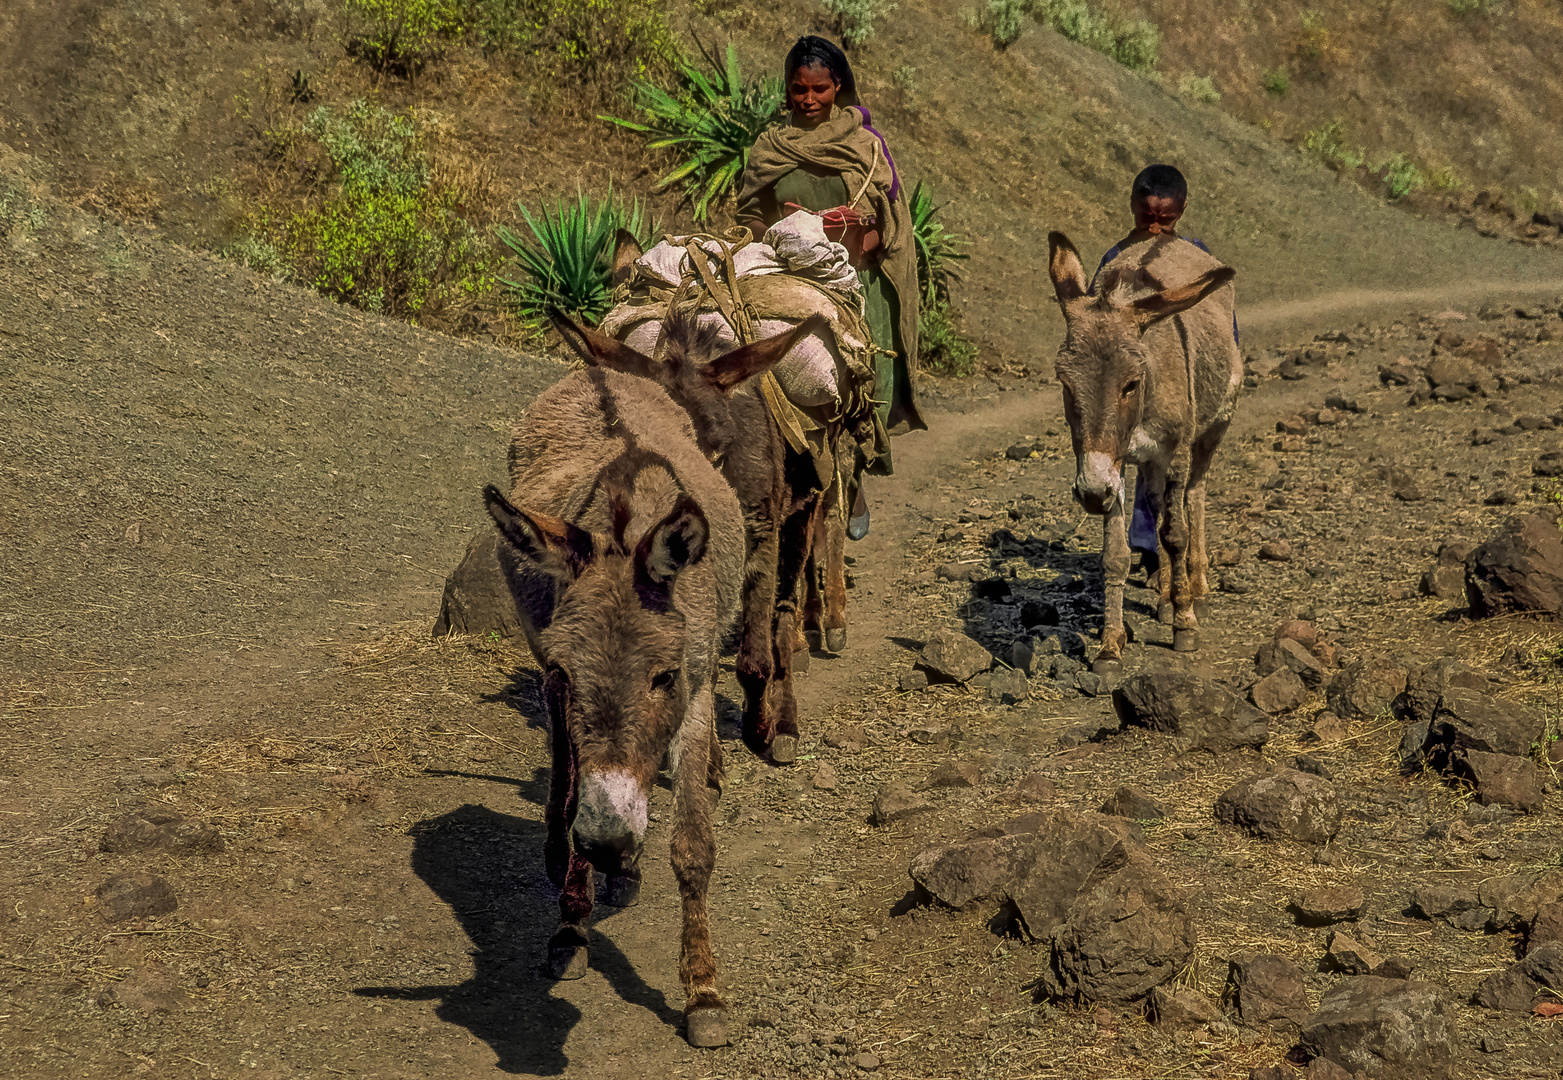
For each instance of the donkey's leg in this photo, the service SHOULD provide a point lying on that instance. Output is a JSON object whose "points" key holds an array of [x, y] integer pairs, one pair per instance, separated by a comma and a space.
{"points": [[756, 665], [834, 553], [694, 857], [1115, 571], [796, 533], [1204, 450], [568, 871], [1154, 474], [1175, 538], [813, 594]]}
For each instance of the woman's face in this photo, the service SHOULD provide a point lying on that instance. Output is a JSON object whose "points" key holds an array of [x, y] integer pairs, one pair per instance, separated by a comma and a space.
{"points": [[811, 93]]}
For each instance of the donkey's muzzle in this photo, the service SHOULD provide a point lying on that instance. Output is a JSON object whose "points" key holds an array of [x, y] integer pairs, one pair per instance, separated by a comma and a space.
{"points": [[610, 821], [1098, 483]]}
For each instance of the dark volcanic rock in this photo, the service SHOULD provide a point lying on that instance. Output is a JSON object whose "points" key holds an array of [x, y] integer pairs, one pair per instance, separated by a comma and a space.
{"points": [[1283, 804], [1180, 1007], [1499, 780], [896, 802], [1515, 900], [1519, 569], [1545, 927], [137, 893], [477, 598], [957, 875], [1034, 787], [1516, 988], [1345, 953], [1428, 683], [1075, 845], [954, 656], [160, 830], [1384, 1027], [1200, 714], [1009, 686], [1469, 720], [1291, 653], [1267, 990], [1127, 933], [1458, 907], [1278, 692], [1133, 803], [1332, 904], [1366, 687]]}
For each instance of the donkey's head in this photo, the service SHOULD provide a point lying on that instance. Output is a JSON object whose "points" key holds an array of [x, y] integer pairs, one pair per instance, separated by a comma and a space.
{"points": [[692, 368], [612, 648], [1105, 369]]}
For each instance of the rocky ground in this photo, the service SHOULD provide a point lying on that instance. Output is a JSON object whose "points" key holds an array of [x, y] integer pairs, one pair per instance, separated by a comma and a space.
{"points": [[256, 821]]}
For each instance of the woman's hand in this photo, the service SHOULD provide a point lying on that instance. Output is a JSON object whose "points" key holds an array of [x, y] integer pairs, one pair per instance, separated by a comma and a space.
{"points": [[872, 250]]}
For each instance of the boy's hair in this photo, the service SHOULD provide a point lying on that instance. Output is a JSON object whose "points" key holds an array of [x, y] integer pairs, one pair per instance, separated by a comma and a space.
{"points": [[1160, 182]]}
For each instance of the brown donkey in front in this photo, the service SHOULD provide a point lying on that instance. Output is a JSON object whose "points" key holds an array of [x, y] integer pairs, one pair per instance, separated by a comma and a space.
{"points": [[624, 549], [1150, 373]]}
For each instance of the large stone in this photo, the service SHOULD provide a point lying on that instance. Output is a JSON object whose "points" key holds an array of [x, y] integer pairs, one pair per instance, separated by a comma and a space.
{"points": [[1278, 692], [1519, 570], [1469, 720], [1131, 802], [1128, 933], [1428, 683], [1284, 804], [135, 894], [1324, 906], [1345, 953], [160, 830], [954, 657], [1545, 927], [961, 874], [1499, 779], [1384, 1027], [1009, 686], [1516, 988], [477, 597], [1181, 1006], [1366, 687], [1267, 990], [897, 802], [1075, 845], [1199, 714], [1458, 907], [1514, 901], [1292, 654]]}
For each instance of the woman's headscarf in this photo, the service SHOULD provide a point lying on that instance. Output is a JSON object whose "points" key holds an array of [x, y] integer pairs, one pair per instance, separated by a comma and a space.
{"points": [[810, 50]]}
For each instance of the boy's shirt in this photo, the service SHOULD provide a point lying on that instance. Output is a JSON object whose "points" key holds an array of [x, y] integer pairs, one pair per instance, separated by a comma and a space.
{"points": [[1117, 250]]}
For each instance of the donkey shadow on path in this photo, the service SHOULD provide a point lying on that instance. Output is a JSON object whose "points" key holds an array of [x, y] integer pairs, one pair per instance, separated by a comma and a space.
{"points": [[488, 867]]}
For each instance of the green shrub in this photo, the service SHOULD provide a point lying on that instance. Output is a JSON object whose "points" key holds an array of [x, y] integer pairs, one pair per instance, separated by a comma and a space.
{"points": [[259, 255], [943, 349], [1328, 146], [1401, 177], [1313, 43], [404, 33], [1276, 82], [937, 248], [1444, 181], [710, 125], [1199, 88], [855, 18], [1134, 43], [566, 263], [1006, 19]]}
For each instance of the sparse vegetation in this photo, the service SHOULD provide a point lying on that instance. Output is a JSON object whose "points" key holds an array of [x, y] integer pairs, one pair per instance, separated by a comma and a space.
{"points": [[1313, 42], [942, 347], [1134, 43], [1276, 81], [1401, 177], [1199, 88], [1327, 145], [1467, 8], [403, 34], [904, 79], [565, 264], [855, 18], [711, 122], [1444, 181]]}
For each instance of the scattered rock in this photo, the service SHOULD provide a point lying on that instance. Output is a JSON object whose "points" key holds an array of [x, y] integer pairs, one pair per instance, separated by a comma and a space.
{"points": [[957, 571], [477, 597], [1283, 804], [1428, 683], [1384, 1027], [150, 988], [1278, 692], [135, 894], [1331, 904], [867, 1062], [1515, 989], [1468, 720], [1329, 728], [1514, 900], [954, 774], [850, 737], [1396, 967], [960, 874], [1129, 802], [1404, 486], [160, 830], [1400, 373], [1325, 1069], [1199, 714], [824, 777], [1075, 845], [1180, 1007], [1545, 927], [1301, 658], [1090, 684], [1021, 451], [1276, 551], [1519, 570], [915, 679], [1022, 655], [896, 802], [1458, 907], [1345, 953], [1008, 686], [1444, 582], [1034, 787], [1038, 613], [954, 656], [1366, 687], [1128, 932], [1267, 990], [1499, 780]]}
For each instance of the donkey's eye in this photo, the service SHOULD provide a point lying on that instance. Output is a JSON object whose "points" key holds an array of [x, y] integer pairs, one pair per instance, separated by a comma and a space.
{"points": [[664, 682], [1131, 387]]}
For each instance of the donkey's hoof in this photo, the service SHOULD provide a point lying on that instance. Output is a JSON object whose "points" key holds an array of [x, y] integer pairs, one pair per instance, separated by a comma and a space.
{"points": [[836, 640], [1106, 665], [622, 891], [1185, 641], [1202, 608], [812, 637], [566, 962], [784, 750], [707, 1028], [1164, 612], [800, 662]]}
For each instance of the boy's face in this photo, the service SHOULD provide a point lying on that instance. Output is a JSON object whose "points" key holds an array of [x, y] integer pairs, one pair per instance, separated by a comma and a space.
{"points": [[1156, 214]]}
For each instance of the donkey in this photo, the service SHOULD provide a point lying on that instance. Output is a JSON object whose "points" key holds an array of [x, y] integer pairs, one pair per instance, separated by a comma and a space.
{"points": [[624, 550], [1160, 394]]}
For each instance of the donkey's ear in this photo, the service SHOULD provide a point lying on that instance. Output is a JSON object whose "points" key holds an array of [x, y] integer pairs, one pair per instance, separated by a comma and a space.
{"points": [[1152, 309], [674, 544], [626, 249], [553, 546], [1063, 266], [732, 368], [600, 350]]}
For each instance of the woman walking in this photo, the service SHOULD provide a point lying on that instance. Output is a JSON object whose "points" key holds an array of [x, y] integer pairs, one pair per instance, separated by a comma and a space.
{"points": [[828, 160]]}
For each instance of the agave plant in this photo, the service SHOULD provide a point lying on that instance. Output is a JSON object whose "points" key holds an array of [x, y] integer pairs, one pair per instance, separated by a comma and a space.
{"points": [[566, 262], [711, 123], [936, 248]]}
